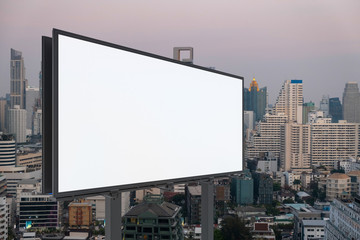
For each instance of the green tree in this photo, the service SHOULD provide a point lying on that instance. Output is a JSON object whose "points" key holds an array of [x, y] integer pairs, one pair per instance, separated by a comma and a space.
{"points": [[310, 201], [297, 182], [340, 170], [314, 189], [288, 200], [179, 199], [276, 186], [217, 234], [233, 228]]}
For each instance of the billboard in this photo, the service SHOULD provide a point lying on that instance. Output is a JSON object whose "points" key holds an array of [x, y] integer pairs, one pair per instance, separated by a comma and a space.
{"points": [[126, 119]]}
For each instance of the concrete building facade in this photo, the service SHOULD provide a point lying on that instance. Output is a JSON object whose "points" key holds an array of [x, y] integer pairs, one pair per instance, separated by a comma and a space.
{"points": [[17, 123], [338, 186], [351, 103], [290, 100], [17, 80], [344, 222]]}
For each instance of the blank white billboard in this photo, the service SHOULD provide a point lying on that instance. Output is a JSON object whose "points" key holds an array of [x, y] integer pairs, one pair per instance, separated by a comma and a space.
{"points": [[128, 118]]}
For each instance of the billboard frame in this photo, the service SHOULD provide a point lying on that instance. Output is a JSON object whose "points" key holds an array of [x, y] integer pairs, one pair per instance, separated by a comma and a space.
{"points": [[55, 134]]}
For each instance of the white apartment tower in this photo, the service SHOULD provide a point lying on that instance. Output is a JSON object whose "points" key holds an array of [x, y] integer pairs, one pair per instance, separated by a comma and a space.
{"points": [[268, 136], [295, 147], [17, 123], [290, 100], [333, 142]]}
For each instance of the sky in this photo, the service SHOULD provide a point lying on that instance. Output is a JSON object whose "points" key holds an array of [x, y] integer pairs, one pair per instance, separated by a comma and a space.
{"points": [[317, 41]]}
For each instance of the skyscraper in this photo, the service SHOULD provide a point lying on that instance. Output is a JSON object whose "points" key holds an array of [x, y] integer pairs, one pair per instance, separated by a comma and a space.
{"points": [[295, 147], [3, 109], [17, 123], [255, 100], [290, 100], [351, 102], [324, 105], [32, 97], [17, 80], [267, 137], [335, 110]]}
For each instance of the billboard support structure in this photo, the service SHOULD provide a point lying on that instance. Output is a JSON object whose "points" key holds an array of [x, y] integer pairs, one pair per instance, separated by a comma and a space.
{"points": [[207, 209], [113, 216]]}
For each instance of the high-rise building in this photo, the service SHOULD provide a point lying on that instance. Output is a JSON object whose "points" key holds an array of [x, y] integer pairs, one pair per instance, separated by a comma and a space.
{"points": [[307, 107], [324, 105], [290, 100], [295, 147], [351, 103], [37, 122], [248, 120], [7, 151], [3, 109], [255, 100], [267, 137], [335, 110], [17, 123], [32, 97], [332, 142], [17, 80]]}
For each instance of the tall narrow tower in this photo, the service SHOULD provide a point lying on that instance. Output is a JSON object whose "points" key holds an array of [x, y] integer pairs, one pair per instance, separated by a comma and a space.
{"points": [[255, 100], [351, 103], [290, 100], [17, 80]]}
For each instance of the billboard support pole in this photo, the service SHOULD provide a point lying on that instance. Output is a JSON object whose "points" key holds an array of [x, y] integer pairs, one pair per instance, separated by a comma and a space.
{"points": [[113, 216], [207, 209]]}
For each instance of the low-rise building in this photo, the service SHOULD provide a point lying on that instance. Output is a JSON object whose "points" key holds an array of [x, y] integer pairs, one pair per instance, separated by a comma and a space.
{"points": [[4, 214], [305, 212], [313, 229], [193, 203], [338, 186], [31, 160], [344, 222], [354, 182], [242, 189], [262, 230], [348, 165], [37, 211], [153, 219], [80, 215]]}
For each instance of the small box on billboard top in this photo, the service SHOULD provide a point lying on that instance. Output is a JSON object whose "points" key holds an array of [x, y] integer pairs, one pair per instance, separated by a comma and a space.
{"points": [[124, 119]]}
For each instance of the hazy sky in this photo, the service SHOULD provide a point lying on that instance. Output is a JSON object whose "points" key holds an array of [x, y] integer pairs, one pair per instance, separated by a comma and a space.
{"points": [[317, 41]]}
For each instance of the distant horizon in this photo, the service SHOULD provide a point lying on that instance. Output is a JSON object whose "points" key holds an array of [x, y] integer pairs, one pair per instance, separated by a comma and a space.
{"points": [[271, 40]]}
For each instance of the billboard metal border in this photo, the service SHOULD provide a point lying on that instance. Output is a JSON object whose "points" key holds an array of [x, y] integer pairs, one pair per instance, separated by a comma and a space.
{"points": [[127, 187]]}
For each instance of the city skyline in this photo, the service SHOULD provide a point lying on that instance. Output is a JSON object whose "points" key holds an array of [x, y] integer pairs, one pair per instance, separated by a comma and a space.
{"points": [[272, 41]]}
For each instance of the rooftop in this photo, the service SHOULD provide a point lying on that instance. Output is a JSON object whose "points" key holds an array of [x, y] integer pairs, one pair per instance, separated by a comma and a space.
{"points": [[356, 173], [163, 209], [195, 190], [316, 223], [338, 176]]}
